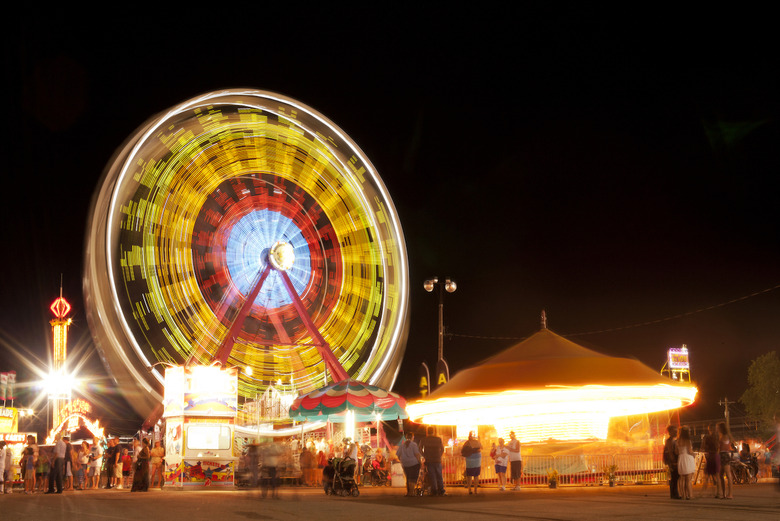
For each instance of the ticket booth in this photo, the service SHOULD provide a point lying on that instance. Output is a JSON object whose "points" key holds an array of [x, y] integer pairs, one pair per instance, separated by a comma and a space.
{"points": [[200, 408]]}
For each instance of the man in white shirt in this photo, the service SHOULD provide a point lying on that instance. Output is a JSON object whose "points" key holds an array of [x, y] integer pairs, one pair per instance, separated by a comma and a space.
{"points": [[95, 462], [55, 474], [515, 460]]}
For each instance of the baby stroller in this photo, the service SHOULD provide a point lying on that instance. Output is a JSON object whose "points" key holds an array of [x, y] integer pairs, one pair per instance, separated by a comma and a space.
{"points": [[374, 474], [422, 487], [338, 477]]}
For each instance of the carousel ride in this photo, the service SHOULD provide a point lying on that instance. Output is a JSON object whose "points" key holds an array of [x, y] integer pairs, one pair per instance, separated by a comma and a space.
{"points": [[244, 230]]}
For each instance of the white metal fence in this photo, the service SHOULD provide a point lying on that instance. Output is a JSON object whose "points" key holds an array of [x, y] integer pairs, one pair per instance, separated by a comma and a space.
{"points": [[584, 469]]}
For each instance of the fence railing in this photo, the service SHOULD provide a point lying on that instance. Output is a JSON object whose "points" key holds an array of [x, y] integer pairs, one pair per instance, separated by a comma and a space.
{"points": [[584, 469]]}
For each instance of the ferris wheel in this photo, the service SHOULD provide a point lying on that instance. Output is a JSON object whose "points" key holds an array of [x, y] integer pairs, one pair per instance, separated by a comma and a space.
{"points": [[244, 227]]}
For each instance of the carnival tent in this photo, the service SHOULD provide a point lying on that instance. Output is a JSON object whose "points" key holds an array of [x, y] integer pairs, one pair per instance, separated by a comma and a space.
{"points": [[551, 387]]}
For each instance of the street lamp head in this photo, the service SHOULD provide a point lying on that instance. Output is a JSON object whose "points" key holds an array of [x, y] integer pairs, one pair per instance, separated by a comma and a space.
{"points": [[428, 284], [450, 286]]}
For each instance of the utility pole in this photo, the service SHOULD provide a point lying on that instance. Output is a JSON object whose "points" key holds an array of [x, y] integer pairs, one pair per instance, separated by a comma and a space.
{"points": [[725, 402]]}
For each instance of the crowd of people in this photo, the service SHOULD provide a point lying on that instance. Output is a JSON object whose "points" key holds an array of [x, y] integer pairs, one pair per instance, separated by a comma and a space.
{"points": [[104, 463], [719, 450]]}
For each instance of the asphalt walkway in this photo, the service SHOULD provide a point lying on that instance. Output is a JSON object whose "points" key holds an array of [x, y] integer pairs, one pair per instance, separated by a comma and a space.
{"points": [[751, 503]]}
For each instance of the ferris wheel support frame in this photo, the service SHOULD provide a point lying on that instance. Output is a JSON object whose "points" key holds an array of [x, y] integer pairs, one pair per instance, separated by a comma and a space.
{"points": [[331, 362]]}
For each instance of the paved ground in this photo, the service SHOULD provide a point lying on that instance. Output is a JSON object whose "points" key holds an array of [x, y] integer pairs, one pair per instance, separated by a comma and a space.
{"points": [[751, 503]]}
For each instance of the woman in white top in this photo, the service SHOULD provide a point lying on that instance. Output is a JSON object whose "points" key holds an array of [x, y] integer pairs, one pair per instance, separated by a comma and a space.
{"points": [[501, 456], [686, 463], [83, 458]]}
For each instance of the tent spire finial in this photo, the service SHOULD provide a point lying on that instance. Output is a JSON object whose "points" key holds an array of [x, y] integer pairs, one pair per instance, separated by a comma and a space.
{"points": [[544, 320]]}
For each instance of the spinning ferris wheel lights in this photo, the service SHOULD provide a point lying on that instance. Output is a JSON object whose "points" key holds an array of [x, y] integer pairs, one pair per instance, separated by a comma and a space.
{"points": [[188, 218]]}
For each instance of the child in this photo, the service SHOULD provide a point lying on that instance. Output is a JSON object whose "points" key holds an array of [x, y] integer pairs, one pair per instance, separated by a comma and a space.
{"points": [[127, 462]]}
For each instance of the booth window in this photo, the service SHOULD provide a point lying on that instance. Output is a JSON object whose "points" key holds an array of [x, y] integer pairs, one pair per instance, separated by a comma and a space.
{"points": [[208, 437]]}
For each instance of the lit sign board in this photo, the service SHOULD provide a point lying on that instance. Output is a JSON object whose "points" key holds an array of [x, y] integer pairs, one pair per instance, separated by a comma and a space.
{"points": [[77, 406], [14, 437], [678, 358], [201, 391]]}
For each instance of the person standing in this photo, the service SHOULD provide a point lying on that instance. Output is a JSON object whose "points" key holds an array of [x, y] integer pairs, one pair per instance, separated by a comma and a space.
{"points": [[127, 463], [68, 463], [2, 466], [43, 465], [515, 460], [725, 447], [155, 465], [712, 469], [28, 465], [55, 474], [141, 476], [409, 455], [432, 450], [76, 464], [34, 446], [117, 470], [501, 458], [472, 451], [95, 462], [136, 451], [110, 458], [271, 453], [307, 464], [670, 459], [253, 459], [32, 460], [83, 457], [686, 463], [9, 471]]}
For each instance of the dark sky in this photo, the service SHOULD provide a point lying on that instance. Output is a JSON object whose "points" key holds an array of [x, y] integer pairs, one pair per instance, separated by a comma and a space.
{"points": [[612, 172]]}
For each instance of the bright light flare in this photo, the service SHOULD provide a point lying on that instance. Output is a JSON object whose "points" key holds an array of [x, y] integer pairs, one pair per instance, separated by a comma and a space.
{"points": [[59, 385], [561, 413]]}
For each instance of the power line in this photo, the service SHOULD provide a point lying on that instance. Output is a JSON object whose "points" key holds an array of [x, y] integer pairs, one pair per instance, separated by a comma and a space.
{"points": [[638, 324]]}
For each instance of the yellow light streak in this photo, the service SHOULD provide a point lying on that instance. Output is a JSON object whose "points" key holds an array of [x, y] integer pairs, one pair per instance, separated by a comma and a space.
{"points": [[562, 413]]}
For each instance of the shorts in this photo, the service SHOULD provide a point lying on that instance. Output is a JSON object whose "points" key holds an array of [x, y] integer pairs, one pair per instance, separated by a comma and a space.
{"points": [[725, 459], [500, 469], [516, 469], [473, 471], [68, 471], [94, 471], [126, 473], [118, 471]]}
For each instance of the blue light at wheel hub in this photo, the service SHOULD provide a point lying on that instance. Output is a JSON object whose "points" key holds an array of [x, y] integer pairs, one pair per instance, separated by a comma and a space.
{"points": [[247, 254]]}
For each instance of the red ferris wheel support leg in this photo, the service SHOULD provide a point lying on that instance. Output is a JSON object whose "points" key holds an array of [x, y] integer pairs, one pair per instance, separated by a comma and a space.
{"points": [[230, 339], [331, 362]]}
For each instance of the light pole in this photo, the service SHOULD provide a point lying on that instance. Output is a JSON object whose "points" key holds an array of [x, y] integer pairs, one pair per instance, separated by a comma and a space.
{"points": [[448, 285]]}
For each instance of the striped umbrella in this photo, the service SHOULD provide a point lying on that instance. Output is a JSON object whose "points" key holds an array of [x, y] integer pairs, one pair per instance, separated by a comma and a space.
{"points": [[366, 401]]}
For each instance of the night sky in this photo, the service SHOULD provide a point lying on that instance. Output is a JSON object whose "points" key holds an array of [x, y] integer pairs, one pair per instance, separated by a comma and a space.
{"points": [[613, 173]]}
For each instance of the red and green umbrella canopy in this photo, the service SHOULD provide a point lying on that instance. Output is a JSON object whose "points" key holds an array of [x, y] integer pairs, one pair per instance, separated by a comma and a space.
{"points": [[365, 400]]}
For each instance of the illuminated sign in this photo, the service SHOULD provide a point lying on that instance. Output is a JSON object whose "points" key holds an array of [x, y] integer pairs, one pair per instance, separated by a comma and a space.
{"points": [[72, 416], [9, 421], [201, 391], [442, 373], [60, 308], [75, 420], [678, 358], [14, 437], [425, 377], [77, 406]]}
